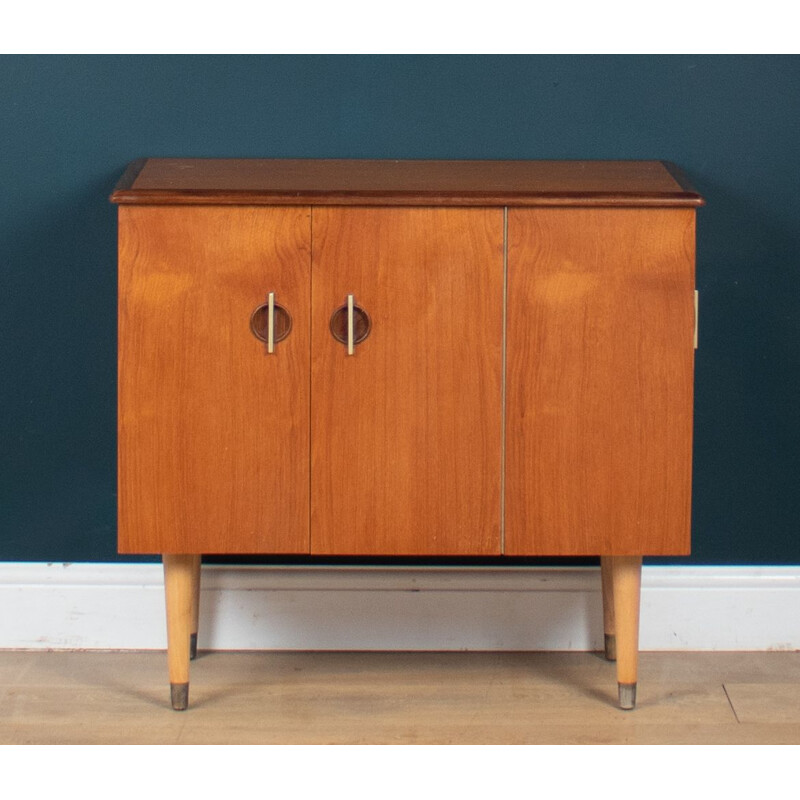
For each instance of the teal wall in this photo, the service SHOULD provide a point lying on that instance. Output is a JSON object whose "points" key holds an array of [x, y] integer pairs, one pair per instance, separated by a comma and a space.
{"points": [[70, 124]]}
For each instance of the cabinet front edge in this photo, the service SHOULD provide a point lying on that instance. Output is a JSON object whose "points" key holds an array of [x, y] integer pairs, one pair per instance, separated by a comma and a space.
{"points": [[128, 196]]}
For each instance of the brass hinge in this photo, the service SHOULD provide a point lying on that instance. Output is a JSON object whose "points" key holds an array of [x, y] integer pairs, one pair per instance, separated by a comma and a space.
{"points": [[696, 315]]}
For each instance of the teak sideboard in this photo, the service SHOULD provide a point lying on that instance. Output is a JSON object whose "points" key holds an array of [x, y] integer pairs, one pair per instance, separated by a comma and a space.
{"points": [[406, 358]]}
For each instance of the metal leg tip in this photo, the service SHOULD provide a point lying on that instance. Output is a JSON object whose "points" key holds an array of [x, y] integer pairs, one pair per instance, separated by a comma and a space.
{"points": [[611, 647], [193, 647], [179, 694], [627, 696]]}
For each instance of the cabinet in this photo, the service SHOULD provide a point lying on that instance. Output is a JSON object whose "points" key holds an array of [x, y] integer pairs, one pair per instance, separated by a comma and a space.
{"points": [[365, 358]]}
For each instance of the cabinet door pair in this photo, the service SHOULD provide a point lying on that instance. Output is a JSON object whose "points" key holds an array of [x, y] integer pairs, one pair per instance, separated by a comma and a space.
{"points": [[397, 449], [226, 448]]}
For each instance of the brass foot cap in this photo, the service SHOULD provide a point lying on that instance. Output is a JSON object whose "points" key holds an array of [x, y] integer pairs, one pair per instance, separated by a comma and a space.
{"points": [[193, 646], [627, 696], [611, 647], [179, 694]]}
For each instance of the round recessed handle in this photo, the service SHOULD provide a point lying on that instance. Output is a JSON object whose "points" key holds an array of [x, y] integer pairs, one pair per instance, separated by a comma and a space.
{"points": [[350, 324], [270, 323]]}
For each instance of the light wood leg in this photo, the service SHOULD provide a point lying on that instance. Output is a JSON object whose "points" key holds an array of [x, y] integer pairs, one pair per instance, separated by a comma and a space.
{"points": [[178, 587], [626, 572], [609, 629], [195, 607]]}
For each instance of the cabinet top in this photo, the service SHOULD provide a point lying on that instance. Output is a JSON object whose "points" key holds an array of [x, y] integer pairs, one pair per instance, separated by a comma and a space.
{"points": [[194, 181]]}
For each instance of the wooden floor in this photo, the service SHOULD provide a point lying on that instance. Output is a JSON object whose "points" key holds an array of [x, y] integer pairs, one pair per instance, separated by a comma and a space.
{"points": [[414, 698]]}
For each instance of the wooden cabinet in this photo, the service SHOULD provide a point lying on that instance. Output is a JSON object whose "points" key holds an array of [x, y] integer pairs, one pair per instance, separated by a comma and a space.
{"points": [[405, 359]]}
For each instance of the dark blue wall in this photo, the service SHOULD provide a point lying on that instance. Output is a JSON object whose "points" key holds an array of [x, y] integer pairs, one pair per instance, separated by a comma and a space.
{"points": [[70, 124]]}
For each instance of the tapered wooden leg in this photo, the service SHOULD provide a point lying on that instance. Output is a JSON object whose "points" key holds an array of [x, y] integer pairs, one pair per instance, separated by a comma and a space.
{"points": [[178, 587], [609, 629], [195, 606], [626, 575]]}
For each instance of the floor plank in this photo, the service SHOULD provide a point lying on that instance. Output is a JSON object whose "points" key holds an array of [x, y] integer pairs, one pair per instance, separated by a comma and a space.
{"points": [[765, 702], [392, 698]]}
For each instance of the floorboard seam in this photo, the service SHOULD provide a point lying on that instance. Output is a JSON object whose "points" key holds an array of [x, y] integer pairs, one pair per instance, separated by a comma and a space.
{"points": [[730, 703]]}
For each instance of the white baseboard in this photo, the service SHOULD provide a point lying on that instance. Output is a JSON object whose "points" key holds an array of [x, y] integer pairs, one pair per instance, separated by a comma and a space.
{"points": [[121, 606]]}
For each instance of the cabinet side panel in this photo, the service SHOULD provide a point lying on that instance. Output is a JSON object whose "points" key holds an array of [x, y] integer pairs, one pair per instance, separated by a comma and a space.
{"points": [[600, 381], [406, 433], [213, 431]]}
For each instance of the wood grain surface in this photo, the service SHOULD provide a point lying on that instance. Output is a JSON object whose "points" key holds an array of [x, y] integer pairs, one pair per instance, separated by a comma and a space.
{"points": [[600, 370], [179, 586], [626, 575], [406, 433], [406, 182], [96, 697], [213, 432]]}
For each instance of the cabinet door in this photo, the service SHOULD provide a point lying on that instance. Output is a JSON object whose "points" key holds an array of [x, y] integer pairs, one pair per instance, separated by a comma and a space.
{"points": [[599, 395], [213, 430], [406, 433]]}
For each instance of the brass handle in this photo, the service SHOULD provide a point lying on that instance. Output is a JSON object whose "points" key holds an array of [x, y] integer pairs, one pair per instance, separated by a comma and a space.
{"points": [[351, 347], [270, 323], [350, 325]]}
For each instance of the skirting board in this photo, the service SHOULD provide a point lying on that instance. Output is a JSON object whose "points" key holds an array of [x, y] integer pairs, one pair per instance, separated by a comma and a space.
{"points": [[121, 606]]}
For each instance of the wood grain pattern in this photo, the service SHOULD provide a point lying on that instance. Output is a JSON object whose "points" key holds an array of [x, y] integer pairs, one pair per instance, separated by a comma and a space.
{"points": [[626, 575], [406, 434], [179, 592], [280, 698], [600, 370], [385, 182], [770, 704], [213, 432]]}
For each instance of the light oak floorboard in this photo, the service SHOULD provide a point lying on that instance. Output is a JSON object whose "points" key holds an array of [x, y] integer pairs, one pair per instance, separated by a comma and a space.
{"points": [[395, 698], [765, 703]]}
